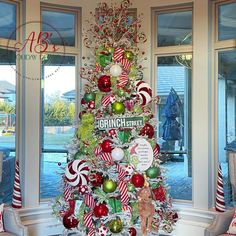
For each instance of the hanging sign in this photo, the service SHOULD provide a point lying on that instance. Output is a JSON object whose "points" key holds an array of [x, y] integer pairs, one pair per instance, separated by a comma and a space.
{"points": [[141, 153], [120, 122]]}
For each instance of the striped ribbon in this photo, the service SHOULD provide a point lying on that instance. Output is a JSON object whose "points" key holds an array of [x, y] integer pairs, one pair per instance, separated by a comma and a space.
{"points": [[123, 80], [124, 192], [106, 157], [91, 232], [121, 172], [220, 201], [156, 151], [106, 100], [125, 63], [67, 193], [90, 202], [16, 199], [97, 150], [118, 54]]}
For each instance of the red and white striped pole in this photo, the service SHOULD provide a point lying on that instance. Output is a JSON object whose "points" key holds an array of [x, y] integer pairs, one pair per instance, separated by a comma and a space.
{"points": [[220, 198], [16, 199]]}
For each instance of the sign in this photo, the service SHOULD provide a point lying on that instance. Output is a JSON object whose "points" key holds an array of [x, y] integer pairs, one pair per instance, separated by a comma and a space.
{"points": [[141, 153], [119, 122]]}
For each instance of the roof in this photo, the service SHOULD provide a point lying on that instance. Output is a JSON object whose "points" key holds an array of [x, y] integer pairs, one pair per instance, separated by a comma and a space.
{"points": [[6, 87], [69, 95], [173, 77]]}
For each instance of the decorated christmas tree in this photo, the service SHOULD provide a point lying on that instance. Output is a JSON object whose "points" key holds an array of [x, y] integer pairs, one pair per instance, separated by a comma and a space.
{"points": [[113, 181]]}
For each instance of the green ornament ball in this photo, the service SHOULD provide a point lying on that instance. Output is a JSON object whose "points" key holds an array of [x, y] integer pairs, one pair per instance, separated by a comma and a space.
{"points": [[109, 186], [146, 118], [115, 226], [129, 55], [153, 172], [89, 97], [131, 187], [120, 92], [118, 108], [137, 109], [110, 49]]}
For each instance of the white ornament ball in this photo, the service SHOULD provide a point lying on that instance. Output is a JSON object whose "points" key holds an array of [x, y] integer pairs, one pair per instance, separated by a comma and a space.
{"points": [[129, 169], [115, 70], [117, 154]]}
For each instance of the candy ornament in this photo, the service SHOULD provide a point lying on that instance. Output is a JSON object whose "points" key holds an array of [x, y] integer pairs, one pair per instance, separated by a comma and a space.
{"points": [[96, 179], [144, 91], [117, 154], [147, 130], [103, 231], [115, 70], [76, 172]]}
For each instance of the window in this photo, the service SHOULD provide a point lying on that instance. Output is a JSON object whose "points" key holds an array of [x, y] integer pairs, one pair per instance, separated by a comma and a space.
{"points": [[174, 28], [8, 100], [227, 21], [8, 20], [59, 93], [61, 26], [173, 74], [226, 54]]}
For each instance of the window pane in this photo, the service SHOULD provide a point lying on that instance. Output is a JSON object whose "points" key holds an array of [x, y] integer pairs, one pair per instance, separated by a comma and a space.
{"points": [[50, 178], [227, 21], [174, 28], [227, 122], [61, 27], [7, 20], [58, 88], [7, 123], [174, 115]]}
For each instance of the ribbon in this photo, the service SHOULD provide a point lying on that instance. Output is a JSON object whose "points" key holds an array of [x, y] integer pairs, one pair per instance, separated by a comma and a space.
{"points": [[121, 172], [106, 157], [90, 202], [118, 54], [97, 150], [123, 80], [67, 194], [125, 63], [106, 100]]}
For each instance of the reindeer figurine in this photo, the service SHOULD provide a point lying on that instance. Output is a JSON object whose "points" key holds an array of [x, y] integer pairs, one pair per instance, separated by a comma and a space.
{"points": [[146, 210]]}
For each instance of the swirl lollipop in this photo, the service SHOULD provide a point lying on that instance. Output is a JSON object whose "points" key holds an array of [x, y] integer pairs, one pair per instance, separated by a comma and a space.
{"points": [[144, 91], [77, 173]]}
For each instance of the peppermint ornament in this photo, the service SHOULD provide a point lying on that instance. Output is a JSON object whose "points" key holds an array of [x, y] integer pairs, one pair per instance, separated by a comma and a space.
{"points": [[76, 173], [102, 231], [144, 92], [83, 189]]}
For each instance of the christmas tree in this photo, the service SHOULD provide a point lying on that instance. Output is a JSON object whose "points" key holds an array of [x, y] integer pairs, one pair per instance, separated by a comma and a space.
{"points": [[112, 182]]}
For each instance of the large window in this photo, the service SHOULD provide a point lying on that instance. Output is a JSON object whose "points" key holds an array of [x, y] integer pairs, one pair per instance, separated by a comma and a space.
{"points": [[226, 70], [58, 99], [8, 99], [174, 72]]}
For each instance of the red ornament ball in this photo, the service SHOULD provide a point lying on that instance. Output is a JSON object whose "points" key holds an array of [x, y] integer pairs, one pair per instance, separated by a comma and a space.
{"points": [[111, 132], [106, 146], [69, 220], [100, 210], [138, 180], [91, 104], [159, 193], [96, 179], [104, 83], [147, 130], [132, 231]]}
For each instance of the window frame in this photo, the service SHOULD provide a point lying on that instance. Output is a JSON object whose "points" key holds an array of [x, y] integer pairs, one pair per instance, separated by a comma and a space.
{"points": [[66, 51], [217, 47], [164, 51]]}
